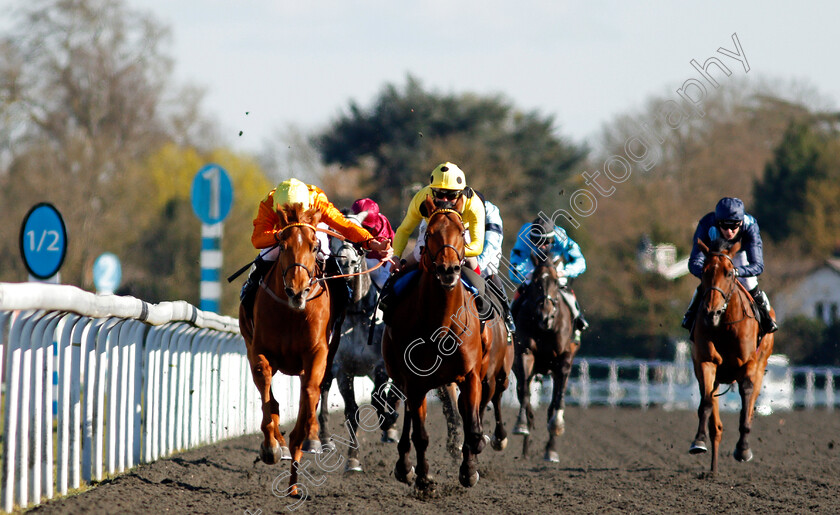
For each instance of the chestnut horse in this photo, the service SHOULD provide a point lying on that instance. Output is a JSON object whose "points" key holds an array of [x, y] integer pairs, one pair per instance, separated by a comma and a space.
{"points": [[725, 335], [545, 344], [437, 340], [290, 333]]}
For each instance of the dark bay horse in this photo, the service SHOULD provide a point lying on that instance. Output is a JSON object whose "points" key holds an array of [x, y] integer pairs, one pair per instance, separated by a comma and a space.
{"points": [[545, 344], [354, 357], [436, 339], [724, 350], [290, 333]]}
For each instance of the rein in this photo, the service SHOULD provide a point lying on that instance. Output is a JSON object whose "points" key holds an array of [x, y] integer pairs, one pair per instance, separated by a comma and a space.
{"points": [[727, 296], [461, 258]]}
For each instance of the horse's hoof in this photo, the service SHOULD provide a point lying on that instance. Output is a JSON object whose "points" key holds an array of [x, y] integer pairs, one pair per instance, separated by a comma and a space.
{"points": [[743, 455], [552, 456], [311, 446], [390, 436], [269, 456], [284, 453], [698, 447], [406, 478], [521, 429], [327, 445], [498, 445], [425, 484], [556, 426], [353, 465], [468, 481]]}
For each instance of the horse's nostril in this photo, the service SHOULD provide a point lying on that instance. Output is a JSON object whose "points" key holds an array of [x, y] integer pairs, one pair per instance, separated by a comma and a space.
{"points": [[441, 269], [456, 269], [289, 293]]}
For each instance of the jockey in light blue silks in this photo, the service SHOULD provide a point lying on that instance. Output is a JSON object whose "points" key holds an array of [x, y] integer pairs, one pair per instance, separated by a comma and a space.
{"points": [[552, 240], [730, 222]]}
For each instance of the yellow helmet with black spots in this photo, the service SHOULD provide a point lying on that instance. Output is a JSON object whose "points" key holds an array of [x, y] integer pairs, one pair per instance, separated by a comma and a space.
{"points": [[448, 176]]}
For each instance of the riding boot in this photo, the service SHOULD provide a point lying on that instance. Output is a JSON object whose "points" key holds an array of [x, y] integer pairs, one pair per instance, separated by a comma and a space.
{"points": [[483, 305], [768, 325], [496, 286], [691, 314], [580, 322], [249, 288]]}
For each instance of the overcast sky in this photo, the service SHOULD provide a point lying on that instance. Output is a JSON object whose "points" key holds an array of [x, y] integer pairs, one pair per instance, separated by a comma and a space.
{"points": [[301, 63]]}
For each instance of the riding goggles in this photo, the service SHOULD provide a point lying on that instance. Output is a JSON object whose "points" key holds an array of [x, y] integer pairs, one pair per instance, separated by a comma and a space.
{"points": [[729, 225], [441, 194]]}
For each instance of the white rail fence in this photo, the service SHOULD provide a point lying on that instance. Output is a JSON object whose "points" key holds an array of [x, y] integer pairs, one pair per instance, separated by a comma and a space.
{"points": [[672, 386], [96, 384]]}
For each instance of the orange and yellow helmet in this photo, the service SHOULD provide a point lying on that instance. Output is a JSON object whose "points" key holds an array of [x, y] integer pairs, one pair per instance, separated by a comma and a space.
{"points": [[291, 191]]}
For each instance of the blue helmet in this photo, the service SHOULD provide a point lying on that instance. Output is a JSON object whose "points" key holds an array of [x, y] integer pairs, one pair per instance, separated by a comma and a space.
{"points": [[729, 209]]}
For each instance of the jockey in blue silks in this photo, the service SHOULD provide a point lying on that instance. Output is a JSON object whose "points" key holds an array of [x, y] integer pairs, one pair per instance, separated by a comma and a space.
{"points": [[730, 222], [543, 236]]}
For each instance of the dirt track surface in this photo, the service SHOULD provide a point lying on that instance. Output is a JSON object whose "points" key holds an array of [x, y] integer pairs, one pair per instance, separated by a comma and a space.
{"points": [[613, 461]]}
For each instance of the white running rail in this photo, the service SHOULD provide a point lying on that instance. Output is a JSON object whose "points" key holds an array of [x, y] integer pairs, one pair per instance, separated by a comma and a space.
{"points": [[114, 381]]}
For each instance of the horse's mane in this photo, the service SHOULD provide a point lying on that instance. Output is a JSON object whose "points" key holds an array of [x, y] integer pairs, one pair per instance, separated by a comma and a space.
{"points": [[295, 213], [722, 245]]}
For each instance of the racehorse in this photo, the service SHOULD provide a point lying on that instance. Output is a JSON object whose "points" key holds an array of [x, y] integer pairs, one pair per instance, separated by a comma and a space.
{"points": [[437, 340], [724, 350], [290, 333], [354, 357], [544, 333]]}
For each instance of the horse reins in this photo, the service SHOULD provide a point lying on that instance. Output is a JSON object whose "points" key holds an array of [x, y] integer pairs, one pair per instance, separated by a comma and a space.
{"points": [[727, 296], [445, 246]]}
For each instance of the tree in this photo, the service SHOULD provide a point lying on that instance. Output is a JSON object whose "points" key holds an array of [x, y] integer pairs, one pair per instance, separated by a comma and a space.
{"points": [[516, 159], [781, 194], [80, 90]]}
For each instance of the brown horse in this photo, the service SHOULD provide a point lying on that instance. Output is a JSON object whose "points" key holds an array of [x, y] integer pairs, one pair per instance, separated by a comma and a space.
{"points": [[290, 333], [724, 351], [438, 340], [545, 343]]}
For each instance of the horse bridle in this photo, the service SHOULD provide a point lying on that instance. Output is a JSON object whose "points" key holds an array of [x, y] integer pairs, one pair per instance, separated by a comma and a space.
{"points": [[461, 258], [733, 279], [311, 274], [551, 299]]}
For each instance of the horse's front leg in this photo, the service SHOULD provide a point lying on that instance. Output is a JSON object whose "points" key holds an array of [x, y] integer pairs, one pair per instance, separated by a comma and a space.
{"points": [[707, 412], [386, 404], [469, 403], [304, 436], [448, 400], [273, 448], [556, 424], [523, 366], [746, 388], [345, 386], [499, 441], [404, 470], [324, 414], [420, 439]]}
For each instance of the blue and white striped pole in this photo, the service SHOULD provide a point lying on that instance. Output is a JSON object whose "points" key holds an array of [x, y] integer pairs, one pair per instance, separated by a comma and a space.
{"points": [[211, 267], [212, 197]]}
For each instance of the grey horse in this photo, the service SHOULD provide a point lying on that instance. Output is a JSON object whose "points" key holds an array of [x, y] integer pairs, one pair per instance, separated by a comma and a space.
{"points": [[355, 358]]}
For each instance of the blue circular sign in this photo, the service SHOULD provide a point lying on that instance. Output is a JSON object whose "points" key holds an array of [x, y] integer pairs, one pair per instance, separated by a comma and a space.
{"points": [[43, 241], [212, 194], [107, 273]]}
